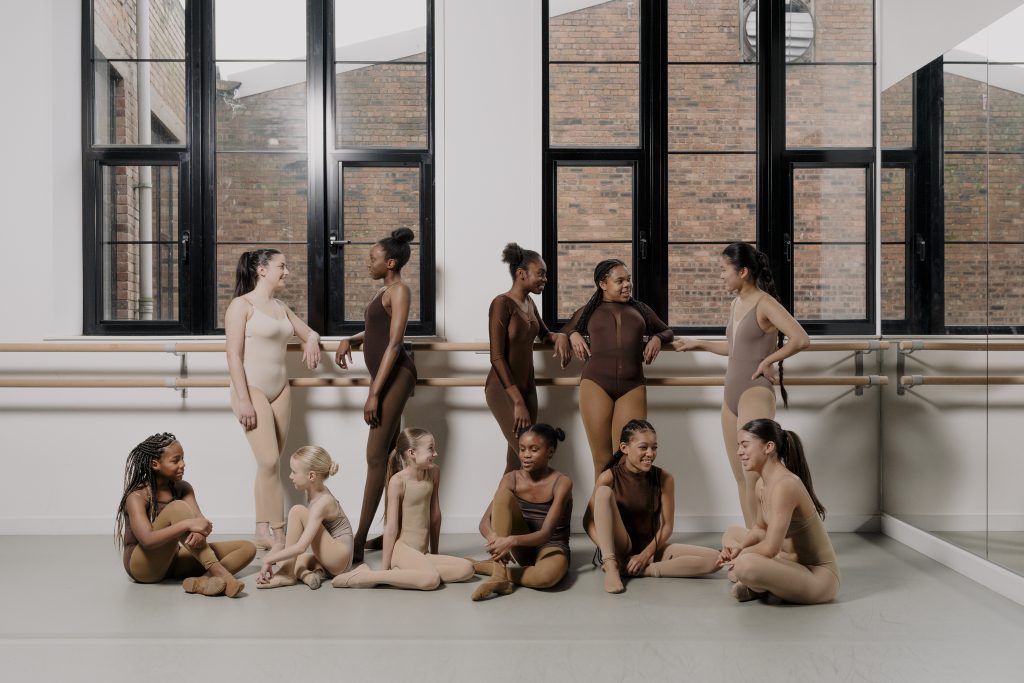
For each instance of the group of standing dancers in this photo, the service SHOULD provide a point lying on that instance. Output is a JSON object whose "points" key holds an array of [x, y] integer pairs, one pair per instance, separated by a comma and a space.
{"points": [[782, 549]]}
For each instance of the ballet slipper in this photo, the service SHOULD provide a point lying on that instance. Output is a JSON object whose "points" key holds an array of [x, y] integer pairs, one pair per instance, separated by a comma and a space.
{"points": [[492, 588], [345, 580], [744, 593], [314, 578], [278, 581], [485, 567], [204, 585], [233, 587]]}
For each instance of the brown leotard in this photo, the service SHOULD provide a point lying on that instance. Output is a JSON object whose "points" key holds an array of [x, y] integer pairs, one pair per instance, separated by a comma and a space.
{"points": [[512, 333], [534, 515], [748, 346], [339, 527], [179, 489], [376, 339], [638, 503], [617, 333]]}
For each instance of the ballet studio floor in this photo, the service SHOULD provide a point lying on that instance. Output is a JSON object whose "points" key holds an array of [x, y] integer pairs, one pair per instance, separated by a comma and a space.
{"points": [[70, 614]]}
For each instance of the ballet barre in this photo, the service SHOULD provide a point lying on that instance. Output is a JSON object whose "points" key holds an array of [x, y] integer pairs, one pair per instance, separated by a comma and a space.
{"points": [[961, 380], [907, 348]]}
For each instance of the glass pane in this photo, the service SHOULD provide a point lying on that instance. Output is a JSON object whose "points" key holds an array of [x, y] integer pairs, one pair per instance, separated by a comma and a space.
{"points": [[1006, 188], [966, 197], [380, 31], [114, 35], [964, 282], [830, 30], [894, 281], [381, 105], [260, 29], [1005, 294], [360, 289], [294, 293], [697, 296], [712, 108], [829, 106], [830, 281], [894, 204], [829, 205], [712, 197], [261, 201], [140, 222], [261, 105], [709, 31], [576, 271], [1006, 108], [377, 200], [594, 203], [965, 121], [603, 31], [117, 99], [594, 105], [894, 234], [898, 115]]}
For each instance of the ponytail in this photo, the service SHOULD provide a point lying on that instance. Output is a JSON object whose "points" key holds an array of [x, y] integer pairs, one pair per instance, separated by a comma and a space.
{"points": [[247, 270], [790, 450]]}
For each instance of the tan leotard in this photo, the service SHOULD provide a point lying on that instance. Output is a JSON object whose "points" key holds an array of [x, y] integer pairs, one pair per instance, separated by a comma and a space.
{"points": [[811, 544], [265, 350], [339, 527], [416, 513], [748, 346]]}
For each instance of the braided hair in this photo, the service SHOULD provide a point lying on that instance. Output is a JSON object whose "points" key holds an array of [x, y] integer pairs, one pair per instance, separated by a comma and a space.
{"points": [[742, 255], [247, 270], [653, 475], [790, 450], [138, 473], [601, 272]]}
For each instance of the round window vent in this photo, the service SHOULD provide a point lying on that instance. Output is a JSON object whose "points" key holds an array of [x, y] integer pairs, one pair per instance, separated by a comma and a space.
{"points": [[799, 30]]}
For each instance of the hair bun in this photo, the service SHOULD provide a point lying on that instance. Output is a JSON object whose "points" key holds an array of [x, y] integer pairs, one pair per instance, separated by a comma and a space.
{"points": [[333, 469], [512, 254], [559, 434], [403, 235]]}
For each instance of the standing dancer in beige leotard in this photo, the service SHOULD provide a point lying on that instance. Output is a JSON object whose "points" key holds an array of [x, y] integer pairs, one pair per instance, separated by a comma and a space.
{"points": [[757, 326], [792, 512], [411, 522], [257, 329]]}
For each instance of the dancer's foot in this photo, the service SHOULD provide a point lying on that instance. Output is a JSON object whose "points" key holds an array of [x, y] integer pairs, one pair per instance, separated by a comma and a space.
{"points": [[277, 581], [612, 580], [485, 567], [314, 578], [204, 585], [233, 587], [743, 593], [492, 588], [350, 579]]}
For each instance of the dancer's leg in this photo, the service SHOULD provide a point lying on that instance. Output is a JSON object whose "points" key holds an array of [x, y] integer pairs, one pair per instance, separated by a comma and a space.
{"points": [[150, 565], [550, 568], [265, 443], [787, 580], [506, 520], [504, 414], [731, 446], [607, 530], [683, 560], [755, 403], [597, 409], [630, 406], [409, 569], [452, 569]]}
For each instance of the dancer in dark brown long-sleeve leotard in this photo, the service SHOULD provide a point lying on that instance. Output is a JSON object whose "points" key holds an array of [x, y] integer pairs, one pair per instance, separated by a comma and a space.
{"points": [[612, 389], [513, 323], [391, 369]]}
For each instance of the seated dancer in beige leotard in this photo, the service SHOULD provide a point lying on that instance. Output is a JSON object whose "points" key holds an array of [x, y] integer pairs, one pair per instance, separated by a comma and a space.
{"points": [[257, 329], [757, 326], [631, 515], [809, 574], [412, 522], [528, 520], [163, 531], [321, 527]]}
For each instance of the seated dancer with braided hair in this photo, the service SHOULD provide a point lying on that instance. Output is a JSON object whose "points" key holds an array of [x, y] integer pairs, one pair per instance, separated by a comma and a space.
{"points": [[612, 389], [412, 520], [528, 520], [789, 512], [163, 531], [320, 526], [631, 514], [513, 324], [758, 325]]}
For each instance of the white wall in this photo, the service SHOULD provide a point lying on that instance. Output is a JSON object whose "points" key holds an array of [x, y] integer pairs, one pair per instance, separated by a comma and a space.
{"points": [[64, 449]]}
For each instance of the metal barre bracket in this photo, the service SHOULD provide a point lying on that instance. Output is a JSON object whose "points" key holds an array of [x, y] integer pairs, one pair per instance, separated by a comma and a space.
{"points": [[901, 362]]}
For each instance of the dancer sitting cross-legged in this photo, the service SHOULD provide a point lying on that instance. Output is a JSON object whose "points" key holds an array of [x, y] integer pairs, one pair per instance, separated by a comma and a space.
{"points": [[320, 526], [412, 520], [528, 520]]}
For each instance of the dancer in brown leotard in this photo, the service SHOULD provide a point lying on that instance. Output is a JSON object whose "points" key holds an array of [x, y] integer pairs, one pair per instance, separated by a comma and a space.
{"points": [[320, 526], [391, 369], [631, 515], [528, 520], [758, 325], [792, 513], [162, 529], [612, 389], [257, 329], [513, 323], [412, 521]]}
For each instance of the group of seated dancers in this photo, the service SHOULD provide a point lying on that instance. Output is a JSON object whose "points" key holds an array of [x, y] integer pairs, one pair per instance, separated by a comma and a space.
{"points": [[782, 549]]}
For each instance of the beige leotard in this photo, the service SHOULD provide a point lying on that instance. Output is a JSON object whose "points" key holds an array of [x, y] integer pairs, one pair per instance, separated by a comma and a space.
{"points": [[416, 513], [748, 346], [265, 350]]}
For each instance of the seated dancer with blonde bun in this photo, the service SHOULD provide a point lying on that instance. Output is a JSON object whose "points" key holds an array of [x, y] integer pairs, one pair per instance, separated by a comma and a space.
{"points": [[320, 525], [412, 519], [162, 530], [790, 511], [631, 514], [528, 520]]}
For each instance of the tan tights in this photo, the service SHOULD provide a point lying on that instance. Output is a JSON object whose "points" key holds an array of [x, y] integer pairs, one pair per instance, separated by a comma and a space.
{"points": [[379, 444], [542, 568], [781, 575], [410, 569], [267, 442], [755, 403], [329, 554], [504, 412], [150, 565], [604, 418]]}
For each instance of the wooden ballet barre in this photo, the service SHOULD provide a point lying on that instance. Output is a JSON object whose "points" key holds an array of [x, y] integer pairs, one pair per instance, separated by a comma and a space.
{"points": [[222, 382], [960, 380], [919, 345]]}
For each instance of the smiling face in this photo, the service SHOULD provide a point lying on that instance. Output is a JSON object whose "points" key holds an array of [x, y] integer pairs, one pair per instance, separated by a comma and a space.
{"points": [[534, 452], [275, 272], [171, 463], [753, 453], [732, 278], [640, 451], [617, 285], [300, 475], [423, 454], [534, 276], [377, 263]]}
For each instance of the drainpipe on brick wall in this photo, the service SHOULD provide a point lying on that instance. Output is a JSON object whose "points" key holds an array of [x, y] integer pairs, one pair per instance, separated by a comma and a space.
{"points": [[145, 187]]}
